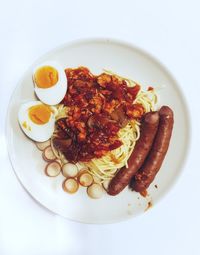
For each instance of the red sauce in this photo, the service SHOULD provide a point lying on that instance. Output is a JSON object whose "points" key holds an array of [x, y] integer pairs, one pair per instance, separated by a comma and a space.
{"points": [[149, 205], [150, 88], [143, 193], [92, 100]]}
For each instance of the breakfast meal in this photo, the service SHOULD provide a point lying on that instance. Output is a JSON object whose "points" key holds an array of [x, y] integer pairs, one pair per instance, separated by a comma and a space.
{"points": [[99, 132]]}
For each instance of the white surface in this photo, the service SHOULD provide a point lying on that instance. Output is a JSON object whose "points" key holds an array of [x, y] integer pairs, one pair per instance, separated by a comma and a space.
{"points": [[128, 61], [167, 29]]}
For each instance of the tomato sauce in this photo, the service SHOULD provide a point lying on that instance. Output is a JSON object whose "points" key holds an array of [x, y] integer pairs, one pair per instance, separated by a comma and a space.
{"points": [[98, 107]]}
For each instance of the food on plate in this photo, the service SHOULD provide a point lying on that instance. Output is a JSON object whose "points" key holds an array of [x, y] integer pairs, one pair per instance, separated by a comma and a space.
{"points": [[95, 191], [146, 174], [85, 179], [102, 132], [101, 123], [53, 169], [69, 170], [70, 185], [149, 125], [50, 82], [96, 179], [48, 154], [37, 120], [42, 145], [105, 184]]}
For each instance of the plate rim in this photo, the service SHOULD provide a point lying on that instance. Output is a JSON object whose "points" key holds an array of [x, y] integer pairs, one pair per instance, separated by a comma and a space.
{"points": [[126, 44]]}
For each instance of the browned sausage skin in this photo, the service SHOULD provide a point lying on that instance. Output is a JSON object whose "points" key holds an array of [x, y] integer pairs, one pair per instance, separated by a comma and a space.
{"points": [[153, 162], [149, 127]]}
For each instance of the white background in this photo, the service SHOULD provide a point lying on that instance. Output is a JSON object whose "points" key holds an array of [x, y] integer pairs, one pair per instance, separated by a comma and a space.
{"points": [[167, 29]]}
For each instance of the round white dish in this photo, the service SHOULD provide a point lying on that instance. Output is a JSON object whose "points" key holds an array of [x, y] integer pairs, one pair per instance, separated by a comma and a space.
{"points": [[123, 59]]}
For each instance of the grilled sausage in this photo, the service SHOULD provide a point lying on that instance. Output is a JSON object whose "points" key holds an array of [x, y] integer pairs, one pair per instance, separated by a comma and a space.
{"points": [[152, 164], [149, 127]]}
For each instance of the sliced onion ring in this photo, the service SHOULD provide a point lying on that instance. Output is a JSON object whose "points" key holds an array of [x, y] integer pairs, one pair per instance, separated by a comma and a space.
{"points": [[95, 191], [69, 170], [42, 145], [85, 179], [48, 154], [70, 185], [106, 184], [53, 169], [83, 170]]}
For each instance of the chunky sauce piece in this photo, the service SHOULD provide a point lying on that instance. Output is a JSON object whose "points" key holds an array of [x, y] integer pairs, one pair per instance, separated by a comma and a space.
{"points": [[98, 107]]}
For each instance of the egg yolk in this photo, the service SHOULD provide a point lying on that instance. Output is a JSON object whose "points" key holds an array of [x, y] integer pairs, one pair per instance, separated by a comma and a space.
{"points": [[39, 114], [46, 77], [24, 124]]}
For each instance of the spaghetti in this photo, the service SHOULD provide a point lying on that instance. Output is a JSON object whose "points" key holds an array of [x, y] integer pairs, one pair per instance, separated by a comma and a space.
{"points": [[106, 166]]}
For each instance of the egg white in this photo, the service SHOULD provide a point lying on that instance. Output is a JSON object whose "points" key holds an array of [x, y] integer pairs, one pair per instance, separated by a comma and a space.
{"points": [[38, 133], [56, 93]]}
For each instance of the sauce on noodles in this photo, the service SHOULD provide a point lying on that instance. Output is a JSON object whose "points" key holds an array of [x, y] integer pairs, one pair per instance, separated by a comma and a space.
{"points": [[98, 108]]}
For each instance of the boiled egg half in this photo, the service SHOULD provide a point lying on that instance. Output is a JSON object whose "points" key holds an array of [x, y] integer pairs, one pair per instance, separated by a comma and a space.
{"points": [[37, 120], [50, 82]]}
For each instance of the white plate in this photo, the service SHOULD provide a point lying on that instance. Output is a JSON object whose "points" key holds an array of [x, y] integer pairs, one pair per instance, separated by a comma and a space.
{"points": [[26, 160]]}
